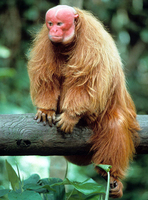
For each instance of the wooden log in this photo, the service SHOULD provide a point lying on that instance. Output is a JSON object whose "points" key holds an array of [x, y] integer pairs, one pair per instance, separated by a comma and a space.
{"points": [[143, 146], [22, 135]]}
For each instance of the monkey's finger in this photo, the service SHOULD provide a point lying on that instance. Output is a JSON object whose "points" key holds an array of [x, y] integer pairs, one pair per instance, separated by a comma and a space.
{"points": [[67, 128], [54, 118], [49, 118], [63, 127], [57, 119], [60, 122], [39, 116], [36, 117], [44, 119]]}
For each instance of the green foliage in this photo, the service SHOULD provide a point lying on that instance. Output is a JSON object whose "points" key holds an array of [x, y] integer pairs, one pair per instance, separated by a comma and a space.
{"points": [[4, 52], [12, 176], [52, 188], [29, 195]]}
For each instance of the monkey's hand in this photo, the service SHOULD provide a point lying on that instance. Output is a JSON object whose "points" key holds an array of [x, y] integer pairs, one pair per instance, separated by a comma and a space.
{"points": [[45, 116], [67, 122]]}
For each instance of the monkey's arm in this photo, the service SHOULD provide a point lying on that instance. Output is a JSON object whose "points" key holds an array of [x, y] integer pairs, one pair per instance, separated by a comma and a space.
{"points": [[76, 103], [45, 97]]}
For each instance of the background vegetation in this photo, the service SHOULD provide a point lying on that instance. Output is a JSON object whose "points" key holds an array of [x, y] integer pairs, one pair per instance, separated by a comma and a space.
{"points": [[126, 20]]}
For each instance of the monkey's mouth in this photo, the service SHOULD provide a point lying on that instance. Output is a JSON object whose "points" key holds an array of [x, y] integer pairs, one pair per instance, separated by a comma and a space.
{"points": [[55, 38]]}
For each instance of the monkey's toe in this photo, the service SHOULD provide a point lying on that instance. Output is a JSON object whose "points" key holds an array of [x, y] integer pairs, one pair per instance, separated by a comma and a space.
{"points": [[115, 188]]}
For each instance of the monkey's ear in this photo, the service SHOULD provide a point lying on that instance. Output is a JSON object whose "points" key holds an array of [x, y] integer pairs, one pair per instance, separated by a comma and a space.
{"points": [[76, 16]]}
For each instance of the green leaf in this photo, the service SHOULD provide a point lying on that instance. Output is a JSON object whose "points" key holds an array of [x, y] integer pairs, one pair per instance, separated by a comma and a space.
{"points": [[35, 187], [4, 192], [34, 183], [87, 187], [33, 179], [44, 186], [58, 190], [26, 195], [104, 167], [12, 176], [78, 195]]}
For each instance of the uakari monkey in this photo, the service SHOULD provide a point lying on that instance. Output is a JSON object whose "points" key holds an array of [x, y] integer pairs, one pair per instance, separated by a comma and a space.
{"points": [[75, 69]]}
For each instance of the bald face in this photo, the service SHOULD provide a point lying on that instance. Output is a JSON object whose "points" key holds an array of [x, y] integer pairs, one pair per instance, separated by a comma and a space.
{"points": [[60, 23]]}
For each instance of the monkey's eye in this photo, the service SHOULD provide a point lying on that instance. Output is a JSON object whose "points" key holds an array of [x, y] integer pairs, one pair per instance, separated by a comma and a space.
{"points": [[59, 24], [50, 23]]}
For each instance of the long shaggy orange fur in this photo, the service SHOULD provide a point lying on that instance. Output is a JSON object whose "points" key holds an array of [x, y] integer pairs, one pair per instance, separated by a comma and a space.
{"points": [[85, 79]]}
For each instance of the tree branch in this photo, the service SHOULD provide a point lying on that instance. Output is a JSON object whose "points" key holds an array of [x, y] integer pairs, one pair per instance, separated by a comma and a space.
{"points": [[21, 135]]}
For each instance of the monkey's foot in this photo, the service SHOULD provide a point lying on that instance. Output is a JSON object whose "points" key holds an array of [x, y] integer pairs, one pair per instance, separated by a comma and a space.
{"points": [[67, 122], [115, 188], [45, 116]]}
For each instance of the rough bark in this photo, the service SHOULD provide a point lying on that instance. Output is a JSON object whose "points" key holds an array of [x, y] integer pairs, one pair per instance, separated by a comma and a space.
{"points": [[22, 135]]}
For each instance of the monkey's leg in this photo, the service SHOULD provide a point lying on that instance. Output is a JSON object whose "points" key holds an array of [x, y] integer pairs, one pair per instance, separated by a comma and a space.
{"points": [[113, 145], [80, 160]]}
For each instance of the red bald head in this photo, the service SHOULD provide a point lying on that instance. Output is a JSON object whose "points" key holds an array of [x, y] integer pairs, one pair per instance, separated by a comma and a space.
{"points": [[60, 21]]}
